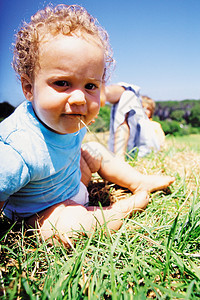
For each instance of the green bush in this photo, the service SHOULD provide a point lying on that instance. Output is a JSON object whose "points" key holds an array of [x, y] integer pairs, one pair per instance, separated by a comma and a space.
{"points": [[194, 118], [178, 129], [102, 123], [177, 115], [171, 127]]}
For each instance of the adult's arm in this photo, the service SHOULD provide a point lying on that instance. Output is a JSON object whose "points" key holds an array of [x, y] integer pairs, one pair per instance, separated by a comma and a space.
{"points": [[111, 93]]}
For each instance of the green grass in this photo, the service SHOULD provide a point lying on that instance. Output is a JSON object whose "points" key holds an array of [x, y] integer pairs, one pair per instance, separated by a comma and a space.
{"points": [[192, 141], [155, 254]]}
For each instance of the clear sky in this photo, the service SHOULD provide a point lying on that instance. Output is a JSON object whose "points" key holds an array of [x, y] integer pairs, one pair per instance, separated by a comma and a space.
{"points": [[156, 44]]}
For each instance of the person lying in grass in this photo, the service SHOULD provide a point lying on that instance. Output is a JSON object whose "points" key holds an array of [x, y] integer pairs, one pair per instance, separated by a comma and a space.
{"points": [[132, 129], [62, 58]]}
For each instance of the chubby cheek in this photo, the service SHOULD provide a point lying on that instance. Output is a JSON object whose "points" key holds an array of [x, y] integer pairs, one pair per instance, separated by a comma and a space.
{"points": [[42, 108], [94, 109], [45, 110], [47, 103]]}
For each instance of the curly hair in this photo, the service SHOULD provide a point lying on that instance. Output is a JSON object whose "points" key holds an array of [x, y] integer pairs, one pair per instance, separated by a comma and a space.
{"points": [[65, 19]]}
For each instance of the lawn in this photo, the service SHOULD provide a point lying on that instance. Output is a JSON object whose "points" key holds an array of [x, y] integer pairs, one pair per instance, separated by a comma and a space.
{"points": [[155, 254], [191, 141]]}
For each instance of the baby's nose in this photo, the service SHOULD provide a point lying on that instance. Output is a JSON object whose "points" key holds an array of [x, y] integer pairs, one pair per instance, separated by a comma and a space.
{"points": [[77, 97]]}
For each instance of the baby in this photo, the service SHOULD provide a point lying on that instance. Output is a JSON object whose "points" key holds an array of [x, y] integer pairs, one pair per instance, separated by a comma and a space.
{"points": [[62, 57]]}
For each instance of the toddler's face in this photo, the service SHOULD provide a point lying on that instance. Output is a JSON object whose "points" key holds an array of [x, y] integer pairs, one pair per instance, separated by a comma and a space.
{"points": [[67, 84]]}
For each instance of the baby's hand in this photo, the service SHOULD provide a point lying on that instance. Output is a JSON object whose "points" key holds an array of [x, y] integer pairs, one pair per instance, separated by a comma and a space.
{"points": [[91, 157]]}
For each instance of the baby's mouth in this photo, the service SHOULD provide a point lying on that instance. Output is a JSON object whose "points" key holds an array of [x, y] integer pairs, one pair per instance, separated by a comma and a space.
{"points": [[73, 115]]}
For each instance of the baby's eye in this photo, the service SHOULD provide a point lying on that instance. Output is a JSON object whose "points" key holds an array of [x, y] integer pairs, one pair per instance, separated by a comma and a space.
{"points": [[61, 83], [90, 86]]}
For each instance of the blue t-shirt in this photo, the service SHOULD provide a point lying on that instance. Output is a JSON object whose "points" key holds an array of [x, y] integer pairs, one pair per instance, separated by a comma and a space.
{"points": [[38, 167]]}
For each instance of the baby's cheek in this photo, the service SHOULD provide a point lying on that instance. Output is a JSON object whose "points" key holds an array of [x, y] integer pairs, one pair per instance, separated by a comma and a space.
{"points": [[96, 108], [92, 113]]}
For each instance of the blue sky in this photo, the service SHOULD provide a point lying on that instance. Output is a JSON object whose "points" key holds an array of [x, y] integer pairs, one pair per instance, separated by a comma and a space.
{"points": [[156, 44]]}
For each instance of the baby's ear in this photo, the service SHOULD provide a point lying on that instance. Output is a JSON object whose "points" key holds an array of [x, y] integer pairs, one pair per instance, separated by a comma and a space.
{"points": [[27, 87]]}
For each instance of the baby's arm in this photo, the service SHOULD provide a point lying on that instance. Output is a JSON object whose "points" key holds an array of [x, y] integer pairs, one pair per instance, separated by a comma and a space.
{"points": [[114, 169], [14, 173]]}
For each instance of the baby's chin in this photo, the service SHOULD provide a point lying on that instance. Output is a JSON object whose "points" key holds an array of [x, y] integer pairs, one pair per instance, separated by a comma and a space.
{"points": [[73, 129]]}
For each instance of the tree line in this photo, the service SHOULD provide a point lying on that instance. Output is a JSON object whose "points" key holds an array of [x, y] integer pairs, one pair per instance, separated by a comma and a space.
{"points": [[186, 110], [178, 117]]}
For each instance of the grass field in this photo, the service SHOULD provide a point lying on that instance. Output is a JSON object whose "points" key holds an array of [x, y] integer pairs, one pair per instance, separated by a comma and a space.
{"points": [[155, 254]]}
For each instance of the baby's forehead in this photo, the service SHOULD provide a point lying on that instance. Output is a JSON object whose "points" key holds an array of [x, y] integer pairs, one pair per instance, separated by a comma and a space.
{"points": [[49, 41], [46, 35], [63, 53]]}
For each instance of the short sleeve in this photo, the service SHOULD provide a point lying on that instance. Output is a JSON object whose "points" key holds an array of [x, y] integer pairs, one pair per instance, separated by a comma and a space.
{"points": [[14, 173]]}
